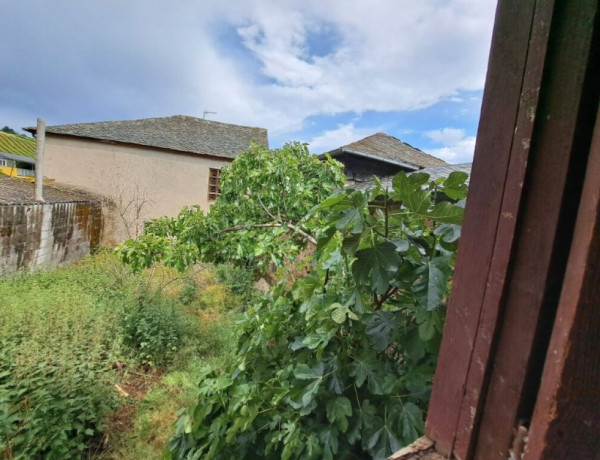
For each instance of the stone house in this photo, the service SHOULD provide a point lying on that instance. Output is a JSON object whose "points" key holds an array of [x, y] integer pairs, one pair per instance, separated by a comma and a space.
{"points": [[146, 168]]}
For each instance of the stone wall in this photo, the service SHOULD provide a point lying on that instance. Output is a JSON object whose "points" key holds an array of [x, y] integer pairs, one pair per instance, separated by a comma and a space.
{"points": [[44, 235]]}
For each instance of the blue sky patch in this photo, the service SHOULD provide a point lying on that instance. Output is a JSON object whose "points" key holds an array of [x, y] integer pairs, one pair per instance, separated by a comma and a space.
{"points": [[322, 40]]}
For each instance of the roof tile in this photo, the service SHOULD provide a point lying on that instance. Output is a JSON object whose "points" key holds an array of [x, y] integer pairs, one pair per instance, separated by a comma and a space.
{"points": [[389, 148], [18, 191], [179, 132]]}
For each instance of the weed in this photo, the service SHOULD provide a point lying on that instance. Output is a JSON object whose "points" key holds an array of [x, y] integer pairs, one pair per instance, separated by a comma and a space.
{"points": [[154, 329], [68, 335]]}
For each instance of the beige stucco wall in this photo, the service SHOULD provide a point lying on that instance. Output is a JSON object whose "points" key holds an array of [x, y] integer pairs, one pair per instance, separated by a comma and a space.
{"points": [[144, 183]]}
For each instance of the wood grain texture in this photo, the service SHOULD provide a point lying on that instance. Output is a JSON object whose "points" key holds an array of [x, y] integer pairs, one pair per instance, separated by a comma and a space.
{"points": [[495, 140], [510, 214], [566, 420], [534, 137], [559, 150]]}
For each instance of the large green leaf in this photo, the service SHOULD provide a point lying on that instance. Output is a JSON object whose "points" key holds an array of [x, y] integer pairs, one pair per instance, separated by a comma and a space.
{"points": [[329, 442], [448, 233], [431, 287], [366, 368], [418, 201], [447, 213], [338, 410], [380, 327], [454, 185], [411, 419], [405, 185], [351, 219], [373, 265], [304, 372]]}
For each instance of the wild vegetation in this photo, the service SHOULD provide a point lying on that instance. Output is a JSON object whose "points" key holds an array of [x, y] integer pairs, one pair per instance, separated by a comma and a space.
{"points": [[261, 218], [95, 359], [81, 346], [338, 364]]}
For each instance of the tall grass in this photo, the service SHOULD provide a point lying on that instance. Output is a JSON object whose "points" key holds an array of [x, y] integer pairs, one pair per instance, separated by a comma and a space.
{"points": [[69, 335]]}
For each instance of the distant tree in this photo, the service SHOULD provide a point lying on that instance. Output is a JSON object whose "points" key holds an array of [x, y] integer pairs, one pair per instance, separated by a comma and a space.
{"points": [[9, 130]]}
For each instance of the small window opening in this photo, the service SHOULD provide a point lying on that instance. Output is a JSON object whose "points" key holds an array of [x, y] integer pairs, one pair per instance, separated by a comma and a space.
{"points": [[214, 184]]}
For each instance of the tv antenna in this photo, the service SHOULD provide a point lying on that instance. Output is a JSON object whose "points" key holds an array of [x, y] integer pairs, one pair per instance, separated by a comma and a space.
{"points": [[206, 112]]}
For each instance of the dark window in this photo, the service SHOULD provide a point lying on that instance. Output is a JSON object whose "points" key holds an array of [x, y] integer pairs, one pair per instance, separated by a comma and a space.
{"points": [[214, 182]]}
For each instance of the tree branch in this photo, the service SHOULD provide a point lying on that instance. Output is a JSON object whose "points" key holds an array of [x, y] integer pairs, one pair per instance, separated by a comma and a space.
{"points": [[289, 225]]}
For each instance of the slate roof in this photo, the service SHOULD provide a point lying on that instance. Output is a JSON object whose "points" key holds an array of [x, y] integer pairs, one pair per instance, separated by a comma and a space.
{"points": [[17, 145], [389, 149], [435, 172], [179, 132], [18, 191]]}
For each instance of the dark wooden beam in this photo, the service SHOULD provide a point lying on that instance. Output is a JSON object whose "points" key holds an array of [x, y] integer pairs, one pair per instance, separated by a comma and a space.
{"points": [[507, 232], [566, 420], [477, 269], [533, 142], [558, 156]]}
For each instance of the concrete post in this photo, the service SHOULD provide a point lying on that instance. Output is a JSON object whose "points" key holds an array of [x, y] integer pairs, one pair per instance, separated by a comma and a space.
{"points": [[39, 159]]}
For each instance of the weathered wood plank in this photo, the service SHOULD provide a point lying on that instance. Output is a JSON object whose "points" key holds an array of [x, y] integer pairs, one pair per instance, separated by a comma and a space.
{"points": [[505, 235], [492, 155], [558, 152], [566, 420]]}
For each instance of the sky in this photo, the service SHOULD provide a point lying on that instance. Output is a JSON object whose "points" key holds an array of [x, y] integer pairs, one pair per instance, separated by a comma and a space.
{"points": [[326, 72]]}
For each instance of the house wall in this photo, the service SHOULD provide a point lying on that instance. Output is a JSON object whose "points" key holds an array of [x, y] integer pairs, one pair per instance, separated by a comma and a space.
{"points": [[34, 236], [143, 183]]}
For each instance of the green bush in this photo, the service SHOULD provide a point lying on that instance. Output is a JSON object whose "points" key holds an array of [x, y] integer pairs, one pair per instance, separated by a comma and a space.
{"points": [[56, 410], [154, 328], [188, 293], [59, 339], [68, 335], [339, 365], [55, 370]]}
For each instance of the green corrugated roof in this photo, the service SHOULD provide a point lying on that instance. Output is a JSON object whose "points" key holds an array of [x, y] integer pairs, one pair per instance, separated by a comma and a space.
{"points": [[11, 143]]}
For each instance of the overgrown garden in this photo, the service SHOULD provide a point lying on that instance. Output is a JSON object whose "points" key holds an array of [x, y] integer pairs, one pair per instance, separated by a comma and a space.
{"points": [[335, 361], [338, 363], [95, 360]]}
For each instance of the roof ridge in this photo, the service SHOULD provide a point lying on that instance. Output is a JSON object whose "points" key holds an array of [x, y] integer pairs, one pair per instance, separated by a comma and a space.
{"points": [[386, 146], [170, 117], [180, 133]]}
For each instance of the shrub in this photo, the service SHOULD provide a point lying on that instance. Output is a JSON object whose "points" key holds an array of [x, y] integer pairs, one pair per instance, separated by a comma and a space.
{"points": [[154, 328], [56, 410], [339, 365], [55, 380]]}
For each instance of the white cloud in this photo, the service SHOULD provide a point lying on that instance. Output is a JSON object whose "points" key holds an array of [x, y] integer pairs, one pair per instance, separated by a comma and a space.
{"points": [[446, 135], [456, 146], [119, 60]]}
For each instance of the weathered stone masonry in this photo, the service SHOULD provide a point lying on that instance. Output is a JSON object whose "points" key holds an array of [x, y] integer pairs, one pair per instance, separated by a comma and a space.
{"points": [[45, 235], [42, 235]]}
